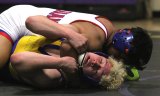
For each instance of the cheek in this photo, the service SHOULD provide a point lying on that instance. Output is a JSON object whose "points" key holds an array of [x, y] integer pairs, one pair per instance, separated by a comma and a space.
{"points": [[87, 71]]}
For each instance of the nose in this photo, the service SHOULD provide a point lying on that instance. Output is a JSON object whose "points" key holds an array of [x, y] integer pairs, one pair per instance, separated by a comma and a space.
{"points": [[96, 64]]}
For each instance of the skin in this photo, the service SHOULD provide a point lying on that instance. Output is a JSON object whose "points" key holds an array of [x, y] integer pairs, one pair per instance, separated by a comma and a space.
{"points": [[42, 70], [81, 35], [95, 66], [4, 50], [78, 34]]}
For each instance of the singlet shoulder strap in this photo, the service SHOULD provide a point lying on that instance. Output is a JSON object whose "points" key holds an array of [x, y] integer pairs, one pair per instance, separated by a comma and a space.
{"points": [[51, 46]]}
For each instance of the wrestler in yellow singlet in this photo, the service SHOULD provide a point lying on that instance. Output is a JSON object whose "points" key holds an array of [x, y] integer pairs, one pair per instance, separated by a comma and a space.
{"points": [[32, 43]]}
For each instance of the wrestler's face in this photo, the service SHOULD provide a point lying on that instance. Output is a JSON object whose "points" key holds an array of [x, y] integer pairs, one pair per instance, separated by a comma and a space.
{"points": [[95, 66]]}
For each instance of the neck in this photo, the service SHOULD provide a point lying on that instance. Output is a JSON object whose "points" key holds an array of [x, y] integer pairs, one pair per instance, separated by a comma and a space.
{"points": [[110, 36]]}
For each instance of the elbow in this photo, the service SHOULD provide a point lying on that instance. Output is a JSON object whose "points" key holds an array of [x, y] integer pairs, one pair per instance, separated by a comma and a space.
{"points": [[17, 60], [35, 23], [30, 22]]}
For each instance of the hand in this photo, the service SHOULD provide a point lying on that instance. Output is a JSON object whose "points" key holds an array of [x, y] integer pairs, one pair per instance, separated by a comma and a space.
{"points": [[69, 64], [79, 42]]}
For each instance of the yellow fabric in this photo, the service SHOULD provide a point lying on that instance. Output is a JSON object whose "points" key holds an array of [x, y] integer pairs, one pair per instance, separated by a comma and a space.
{"points": [[30, 43]]}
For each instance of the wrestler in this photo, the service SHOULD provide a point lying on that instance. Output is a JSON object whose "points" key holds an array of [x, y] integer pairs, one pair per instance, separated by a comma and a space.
{"points": [[85, 32], [43, 65]]}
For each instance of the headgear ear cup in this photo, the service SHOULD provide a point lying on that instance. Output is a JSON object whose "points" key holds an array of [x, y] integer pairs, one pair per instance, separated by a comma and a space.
{"points": [[122, 40], [81, 59]]}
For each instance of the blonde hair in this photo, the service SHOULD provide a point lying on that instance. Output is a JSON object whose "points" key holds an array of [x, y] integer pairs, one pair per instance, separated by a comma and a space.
{"points": [[116, 76]]}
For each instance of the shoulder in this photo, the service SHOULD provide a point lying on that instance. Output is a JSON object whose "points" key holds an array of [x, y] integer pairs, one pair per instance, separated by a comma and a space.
{"points": [[107, 23]]}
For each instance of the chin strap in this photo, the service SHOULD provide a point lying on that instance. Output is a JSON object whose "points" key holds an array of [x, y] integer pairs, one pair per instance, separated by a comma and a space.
{"points": [[80, 60], [80, 64]]}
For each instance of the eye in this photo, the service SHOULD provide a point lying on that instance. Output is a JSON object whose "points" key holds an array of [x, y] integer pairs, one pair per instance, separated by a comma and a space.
{"points": [[95, 66], [100, 61]]}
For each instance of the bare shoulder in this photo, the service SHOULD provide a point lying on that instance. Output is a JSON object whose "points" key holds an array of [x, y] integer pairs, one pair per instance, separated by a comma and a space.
{"points": [[107, 23], [93, 33]]}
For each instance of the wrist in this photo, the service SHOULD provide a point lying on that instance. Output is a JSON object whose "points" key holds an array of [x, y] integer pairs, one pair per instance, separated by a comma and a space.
{"points": [[62, 62]]}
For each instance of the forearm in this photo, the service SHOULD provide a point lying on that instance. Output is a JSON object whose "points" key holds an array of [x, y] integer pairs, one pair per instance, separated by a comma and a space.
{"points": [[31, 61], [48, 28], [52, 30]]}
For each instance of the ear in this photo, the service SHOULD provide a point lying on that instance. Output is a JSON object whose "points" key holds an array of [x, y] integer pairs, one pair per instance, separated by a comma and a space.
{"points": [[126, 51], [129, 31]]}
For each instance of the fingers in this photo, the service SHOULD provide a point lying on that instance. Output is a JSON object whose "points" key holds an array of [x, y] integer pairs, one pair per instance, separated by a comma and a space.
{"points": [[82, 49], [79, 42]]}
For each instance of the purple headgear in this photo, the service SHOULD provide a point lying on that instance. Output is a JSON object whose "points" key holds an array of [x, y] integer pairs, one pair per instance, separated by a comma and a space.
{"points": [[122, 40]]}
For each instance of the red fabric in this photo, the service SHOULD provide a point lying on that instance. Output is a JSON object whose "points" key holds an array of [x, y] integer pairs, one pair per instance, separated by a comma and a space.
{"points": [[6, 35]]}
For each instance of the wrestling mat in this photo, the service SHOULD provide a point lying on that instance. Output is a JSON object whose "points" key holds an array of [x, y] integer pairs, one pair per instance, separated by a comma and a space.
{"points": [[148, 85]]}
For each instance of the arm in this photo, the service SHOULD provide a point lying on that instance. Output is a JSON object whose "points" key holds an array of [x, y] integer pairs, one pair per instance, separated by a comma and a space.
{"points": [[67, 50], [26, 61], [52, 30]]}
